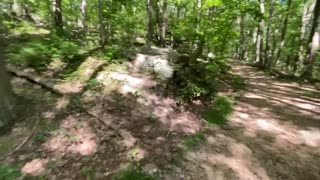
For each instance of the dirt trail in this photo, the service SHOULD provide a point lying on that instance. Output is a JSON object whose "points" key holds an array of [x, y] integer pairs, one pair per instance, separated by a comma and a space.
{"points": [[274, 133]]}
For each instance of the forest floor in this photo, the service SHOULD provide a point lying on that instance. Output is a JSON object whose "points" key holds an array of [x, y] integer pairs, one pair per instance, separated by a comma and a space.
{"points": [[274, 133], [117, 117]]}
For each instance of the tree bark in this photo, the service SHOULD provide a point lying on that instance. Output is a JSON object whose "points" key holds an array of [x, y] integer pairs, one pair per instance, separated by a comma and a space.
{"points": [[259, 48], [150, 7], [57, 14], [313, 41], [305, 21], [101, 24], [164, 22], [83, 18], [284, 31], [6, 99], [242, 37], [267, 54]]}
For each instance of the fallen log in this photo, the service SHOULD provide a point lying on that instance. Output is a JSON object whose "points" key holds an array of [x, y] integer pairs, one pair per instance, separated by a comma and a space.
{"points": [[45, 83]]}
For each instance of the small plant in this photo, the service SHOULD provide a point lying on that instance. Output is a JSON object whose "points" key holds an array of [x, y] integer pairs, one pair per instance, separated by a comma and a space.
{"points": [[40, 137], [132, 173], [88, 172], [93, 83], [152, 118], [9, 172], [177, 158], [237, 82], [194, 140], [222, 108]]}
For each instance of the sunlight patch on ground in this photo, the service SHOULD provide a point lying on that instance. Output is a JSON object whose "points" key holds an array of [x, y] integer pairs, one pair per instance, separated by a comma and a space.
{"points": [[256, 121], [240, 164], [164, 110], [73, 137], [311, 138], [35, 167]]}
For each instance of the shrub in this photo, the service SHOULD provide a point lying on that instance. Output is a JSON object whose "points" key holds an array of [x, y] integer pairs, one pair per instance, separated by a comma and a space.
{"points": [[222, 108], [9, 172], [194, 140], [198, 79], [39, 53]]}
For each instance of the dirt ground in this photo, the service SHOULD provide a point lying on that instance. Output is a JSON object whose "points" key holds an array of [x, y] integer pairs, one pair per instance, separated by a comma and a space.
{"points": [[274, 132]]}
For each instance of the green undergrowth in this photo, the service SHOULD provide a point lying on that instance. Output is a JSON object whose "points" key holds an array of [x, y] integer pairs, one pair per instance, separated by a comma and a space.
{"points": [[133, 173], [38, 53], [194, 140], [221, 109], [9, 172], [199, 79], [237, 82]]}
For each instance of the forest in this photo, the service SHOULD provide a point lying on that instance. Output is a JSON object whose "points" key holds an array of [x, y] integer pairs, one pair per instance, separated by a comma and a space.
{"points": [[160, 89]]}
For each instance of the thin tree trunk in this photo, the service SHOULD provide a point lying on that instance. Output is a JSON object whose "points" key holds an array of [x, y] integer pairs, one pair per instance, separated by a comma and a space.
{"points": [[313, 41], [284, 31], [150, 7], [164, 23], [305, 21], [83, 19], [158, 19], [259, 48], [6, 99], [242, 37], [314, 48], [101, 24], [267, 54], [57, 14]]}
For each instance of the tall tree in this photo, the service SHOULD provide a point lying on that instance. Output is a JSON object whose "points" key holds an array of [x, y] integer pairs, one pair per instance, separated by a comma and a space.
{"points": [[164, 22], [150, 34], [6, 99], [284, 31], [267, 53], [83, 10], [57, 14], [259, 43], [102, 27], [314, 40], [306, 17]]}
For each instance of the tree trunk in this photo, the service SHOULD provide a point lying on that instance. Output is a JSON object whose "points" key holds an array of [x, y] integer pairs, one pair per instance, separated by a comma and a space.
{"points": [[6, 100], [164, 23], [57, 14], [314, 48], [305, 21], [259, 44], [242, 37], [267, 54], [313, 41], [150, 7], [83, 17], [284, 31], [101, 24]]}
